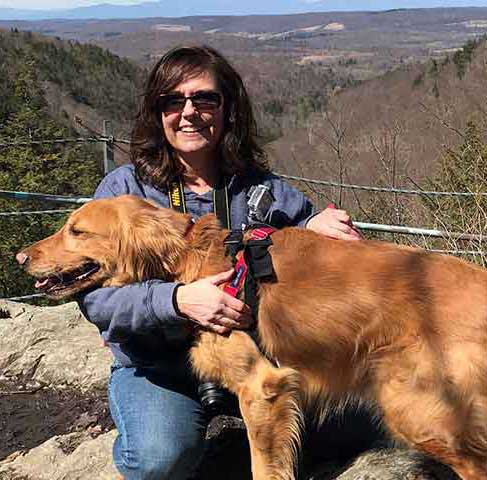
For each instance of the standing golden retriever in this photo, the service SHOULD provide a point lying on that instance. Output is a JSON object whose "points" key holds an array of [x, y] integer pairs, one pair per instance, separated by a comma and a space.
{"points": [[402, 330]]}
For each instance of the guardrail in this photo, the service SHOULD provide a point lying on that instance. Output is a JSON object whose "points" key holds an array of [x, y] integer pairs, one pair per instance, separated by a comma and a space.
{"points": [[375, 227]]}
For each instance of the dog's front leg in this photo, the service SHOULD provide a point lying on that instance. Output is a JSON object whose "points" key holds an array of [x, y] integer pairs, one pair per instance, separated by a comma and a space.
{"points": [[270, 402], [269, 399]]}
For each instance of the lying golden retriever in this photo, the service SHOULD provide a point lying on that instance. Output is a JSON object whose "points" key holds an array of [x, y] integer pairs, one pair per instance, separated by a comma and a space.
{"points": [[402, 330]]}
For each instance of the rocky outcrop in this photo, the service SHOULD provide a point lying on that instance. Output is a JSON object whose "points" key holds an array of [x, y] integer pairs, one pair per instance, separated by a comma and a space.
{"points": [[386, 464], [54, 421], [75, 456], [52, 346], [53, 374]]}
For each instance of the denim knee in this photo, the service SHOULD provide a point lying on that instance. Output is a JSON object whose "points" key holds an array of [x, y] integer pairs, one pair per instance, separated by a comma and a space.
{"points": [[157, 462], [160, 427]]}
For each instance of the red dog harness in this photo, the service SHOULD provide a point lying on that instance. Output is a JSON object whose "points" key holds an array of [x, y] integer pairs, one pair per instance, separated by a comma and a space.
{"points": [[252, 263]]}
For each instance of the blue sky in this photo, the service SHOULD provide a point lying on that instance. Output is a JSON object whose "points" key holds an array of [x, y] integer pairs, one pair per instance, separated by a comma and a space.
{"points": [[49, 4]]}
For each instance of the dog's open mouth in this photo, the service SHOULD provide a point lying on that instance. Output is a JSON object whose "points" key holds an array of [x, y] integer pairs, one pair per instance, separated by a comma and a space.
{"points": [[57, 283]]}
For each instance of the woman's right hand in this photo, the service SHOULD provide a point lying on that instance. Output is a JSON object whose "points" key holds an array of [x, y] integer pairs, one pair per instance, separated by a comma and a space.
{"points": [[203, 302]]}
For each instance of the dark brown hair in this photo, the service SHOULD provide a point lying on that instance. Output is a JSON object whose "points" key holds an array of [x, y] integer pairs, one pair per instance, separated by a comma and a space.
{"points": [[154, 160]]}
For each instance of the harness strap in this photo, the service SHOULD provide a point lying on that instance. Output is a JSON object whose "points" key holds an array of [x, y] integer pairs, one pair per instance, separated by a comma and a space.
{"points": [[254, 253], [233, 243], [252, 262], [261, 232], [221, 205], [241, 269], [259, 268]]}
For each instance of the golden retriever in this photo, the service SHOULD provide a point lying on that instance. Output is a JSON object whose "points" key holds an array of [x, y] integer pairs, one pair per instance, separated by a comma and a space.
{"points": [[400, 329]]}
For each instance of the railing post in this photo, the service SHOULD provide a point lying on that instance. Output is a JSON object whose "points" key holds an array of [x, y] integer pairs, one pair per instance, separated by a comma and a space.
{"points": [[108, 157]]}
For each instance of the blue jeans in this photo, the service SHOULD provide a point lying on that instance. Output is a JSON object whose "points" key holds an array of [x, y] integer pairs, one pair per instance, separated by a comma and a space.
{"points": [[161, 425]]}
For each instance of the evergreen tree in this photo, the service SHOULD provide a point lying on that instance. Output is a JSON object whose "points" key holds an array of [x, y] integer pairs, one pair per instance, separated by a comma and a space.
{"points": [[463, 169], [54, 169]]}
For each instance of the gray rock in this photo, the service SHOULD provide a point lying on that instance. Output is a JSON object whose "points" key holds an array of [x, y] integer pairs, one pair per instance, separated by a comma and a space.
{"points": [[386, 464], [52, 345], [76, 456]]}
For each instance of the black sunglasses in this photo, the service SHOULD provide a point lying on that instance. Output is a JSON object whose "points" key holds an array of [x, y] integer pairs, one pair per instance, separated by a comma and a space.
{"points": [[204, 101]]}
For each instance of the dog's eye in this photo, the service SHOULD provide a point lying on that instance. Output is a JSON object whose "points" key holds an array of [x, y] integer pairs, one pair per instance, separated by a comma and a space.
{"points": [[75, 231]]}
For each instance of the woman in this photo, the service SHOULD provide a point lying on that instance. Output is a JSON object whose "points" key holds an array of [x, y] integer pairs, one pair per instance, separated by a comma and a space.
{"points": [[195, 129]]}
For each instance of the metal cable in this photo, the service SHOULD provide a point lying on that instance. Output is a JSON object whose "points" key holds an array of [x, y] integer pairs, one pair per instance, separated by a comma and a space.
{"points": [[25, 297], [53, 141], [424, 232], [33, 212], [12, 195], [381, 189], [111, 139]]}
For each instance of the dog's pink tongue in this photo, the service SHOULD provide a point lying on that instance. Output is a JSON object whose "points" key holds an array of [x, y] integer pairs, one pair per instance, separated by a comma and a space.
{"points": [[41, 283]]}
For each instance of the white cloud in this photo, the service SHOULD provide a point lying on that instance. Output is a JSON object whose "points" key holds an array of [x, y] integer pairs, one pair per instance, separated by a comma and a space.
{"points": [[48, 4]]}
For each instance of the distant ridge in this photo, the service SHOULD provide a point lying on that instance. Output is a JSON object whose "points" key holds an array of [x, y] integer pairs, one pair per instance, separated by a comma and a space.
{"points": [[167, 8], [421, 106]]}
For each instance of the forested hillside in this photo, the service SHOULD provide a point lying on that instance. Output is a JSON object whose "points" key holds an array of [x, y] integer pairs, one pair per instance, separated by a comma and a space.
{"points": [[410, 117], [87, 75], [420, 127], [91, 75]]}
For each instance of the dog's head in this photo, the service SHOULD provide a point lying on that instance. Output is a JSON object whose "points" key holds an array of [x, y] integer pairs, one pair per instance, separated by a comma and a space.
{"points": [[108, 242]]}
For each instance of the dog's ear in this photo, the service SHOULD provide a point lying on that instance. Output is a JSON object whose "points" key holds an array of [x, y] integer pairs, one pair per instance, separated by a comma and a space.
{"points": [[150, 244]]}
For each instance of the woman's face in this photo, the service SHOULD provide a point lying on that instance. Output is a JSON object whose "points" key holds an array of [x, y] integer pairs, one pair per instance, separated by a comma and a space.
{"points": [[187, 127]]}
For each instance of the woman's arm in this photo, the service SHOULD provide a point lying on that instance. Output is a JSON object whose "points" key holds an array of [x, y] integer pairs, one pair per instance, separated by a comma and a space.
{"points": [[139, 308], [293, 206]]}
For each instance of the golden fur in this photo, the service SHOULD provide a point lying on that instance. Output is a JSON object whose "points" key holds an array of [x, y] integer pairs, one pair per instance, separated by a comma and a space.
{"points": [[398, 328]]}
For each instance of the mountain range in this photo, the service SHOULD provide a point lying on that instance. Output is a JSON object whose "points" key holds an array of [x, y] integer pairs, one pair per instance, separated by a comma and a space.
{"points": [[166, 8]]}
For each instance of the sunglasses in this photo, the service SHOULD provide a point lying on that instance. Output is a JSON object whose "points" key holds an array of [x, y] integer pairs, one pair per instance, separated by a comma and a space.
{"points": [[205, 101]]}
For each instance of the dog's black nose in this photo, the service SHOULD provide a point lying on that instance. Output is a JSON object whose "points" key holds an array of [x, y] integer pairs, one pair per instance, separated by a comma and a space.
{"points": [[22, 258]]}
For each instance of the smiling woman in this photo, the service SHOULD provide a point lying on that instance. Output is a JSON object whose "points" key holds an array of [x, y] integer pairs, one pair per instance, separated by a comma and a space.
{"points": [[196, 120]]}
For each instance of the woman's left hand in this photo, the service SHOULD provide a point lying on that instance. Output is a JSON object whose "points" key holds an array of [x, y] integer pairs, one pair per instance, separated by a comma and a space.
{"points": [[334, 223]]}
